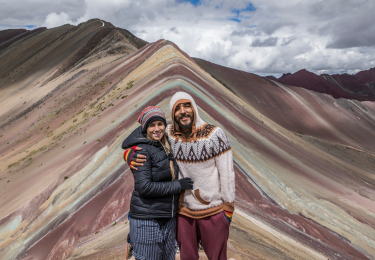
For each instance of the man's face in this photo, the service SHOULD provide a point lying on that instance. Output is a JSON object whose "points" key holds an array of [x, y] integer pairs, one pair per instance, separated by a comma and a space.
{"points": [[184, 115]]}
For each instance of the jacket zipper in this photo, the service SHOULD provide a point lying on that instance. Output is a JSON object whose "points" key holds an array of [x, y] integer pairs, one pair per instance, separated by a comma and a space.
{"points": [[172, 204], [172, 178]]}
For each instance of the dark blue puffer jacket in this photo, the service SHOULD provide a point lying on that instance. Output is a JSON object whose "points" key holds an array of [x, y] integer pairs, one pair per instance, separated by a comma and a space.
{"points": [[155, 194]]}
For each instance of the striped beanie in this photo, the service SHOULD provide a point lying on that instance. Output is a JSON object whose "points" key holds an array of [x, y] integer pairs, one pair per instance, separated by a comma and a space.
{"points": [[149, 115]]}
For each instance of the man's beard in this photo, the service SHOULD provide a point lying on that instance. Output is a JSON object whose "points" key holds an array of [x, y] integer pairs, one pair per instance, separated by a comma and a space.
{"points": [[186, 127]]}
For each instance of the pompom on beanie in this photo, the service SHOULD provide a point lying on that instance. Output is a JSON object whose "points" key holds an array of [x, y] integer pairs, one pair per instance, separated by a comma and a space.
{"points": [[149, 115]]}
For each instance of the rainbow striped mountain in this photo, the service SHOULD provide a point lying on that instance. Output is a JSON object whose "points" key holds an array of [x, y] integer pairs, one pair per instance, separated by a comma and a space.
{"points": [[304, 159]]}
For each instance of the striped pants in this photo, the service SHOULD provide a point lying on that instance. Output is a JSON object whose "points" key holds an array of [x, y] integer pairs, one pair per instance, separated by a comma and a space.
{"points": [[151, 241]]}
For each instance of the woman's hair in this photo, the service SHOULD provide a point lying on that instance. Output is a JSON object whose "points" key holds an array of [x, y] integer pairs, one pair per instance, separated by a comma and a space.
{"points": [[167, 147]]}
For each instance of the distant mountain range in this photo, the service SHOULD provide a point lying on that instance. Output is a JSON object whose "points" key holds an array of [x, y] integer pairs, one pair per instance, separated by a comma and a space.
{"points": [[360, 86]]}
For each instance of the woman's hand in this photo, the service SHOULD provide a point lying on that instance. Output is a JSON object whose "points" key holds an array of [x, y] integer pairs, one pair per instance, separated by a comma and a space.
{"points": [[133, 158]]}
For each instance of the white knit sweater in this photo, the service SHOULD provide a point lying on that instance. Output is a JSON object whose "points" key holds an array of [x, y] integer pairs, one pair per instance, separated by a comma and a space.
{"points": [[206, 157]]}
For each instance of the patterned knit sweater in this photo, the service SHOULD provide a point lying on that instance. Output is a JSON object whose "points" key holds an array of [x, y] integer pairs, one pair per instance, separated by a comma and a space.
{"points": [[206, 157]]}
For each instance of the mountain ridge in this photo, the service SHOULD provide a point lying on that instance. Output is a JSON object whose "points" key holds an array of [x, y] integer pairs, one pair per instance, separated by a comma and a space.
{"points": [[360, 86]]}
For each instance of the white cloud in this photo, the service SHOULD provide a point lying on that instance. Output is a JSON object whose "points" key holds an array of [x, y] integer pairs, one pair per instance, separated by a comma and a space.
{"points": [[18, 13], [279, 36], [54, 19]]}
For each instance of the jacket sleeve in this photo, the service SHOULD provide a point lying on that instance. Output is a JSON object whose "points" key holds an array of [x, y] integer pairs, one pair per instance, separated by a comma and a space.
{"points": [[224, 164], [146, 187]]}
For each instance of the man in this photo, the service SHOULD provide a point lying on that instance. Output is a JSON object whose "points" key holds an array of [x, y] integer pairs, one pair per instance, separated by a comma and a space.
{"points": [[203, 153]]}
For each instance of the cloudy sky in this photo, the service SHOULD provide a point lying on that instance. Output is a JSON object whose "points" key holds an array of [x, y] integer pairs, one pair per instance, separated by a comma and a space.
{"points": [[260, 36]]}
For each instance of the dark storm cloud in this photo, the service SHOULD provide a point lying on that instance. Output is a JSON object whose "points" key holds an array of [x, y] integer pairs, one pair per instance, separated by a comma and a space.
{"points": [[349, 23], [269, 27], [268, 42], [174, 30], [354, 32], [365, 39], [242, 32], [286, 41]]}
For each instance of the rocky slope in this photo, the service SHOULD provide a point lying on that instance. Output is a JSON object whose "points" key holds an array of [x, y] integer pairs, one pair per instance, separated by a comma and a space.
{"points": [[304, 161], [367, 76]]}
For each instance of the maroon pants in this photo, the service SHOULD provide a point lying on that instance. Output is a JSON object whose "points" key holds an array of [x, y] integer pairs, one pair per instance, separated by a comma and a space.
{"points": [[213, 231]]}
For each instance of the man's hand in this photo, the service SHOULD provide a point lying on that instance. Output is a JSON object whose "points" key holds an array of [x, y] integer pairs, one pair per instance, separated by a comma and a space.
{"points": [[133, 158], [186, 183]]}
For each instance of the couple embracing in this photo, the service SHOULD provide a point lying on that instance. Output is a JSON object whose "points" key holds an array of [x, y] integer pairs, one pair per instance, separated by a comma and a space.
{"points": [[184, 184]]}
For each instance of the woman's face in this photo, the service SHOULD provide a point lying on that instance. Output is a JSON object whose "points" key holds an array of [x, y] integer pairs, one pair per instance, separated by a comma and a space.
{"points": [[156, 130]]}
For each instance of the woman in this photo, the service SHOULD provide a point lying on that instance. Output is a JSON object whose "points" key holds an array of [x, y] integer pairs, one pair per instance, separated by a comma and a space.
{"points": [[155, 197]]}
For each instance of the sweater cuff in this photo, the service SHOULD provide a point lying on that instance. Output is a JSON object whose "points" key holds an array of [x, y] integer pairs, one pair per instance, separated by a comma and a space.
{"points": [[229, 206]]}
